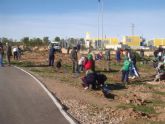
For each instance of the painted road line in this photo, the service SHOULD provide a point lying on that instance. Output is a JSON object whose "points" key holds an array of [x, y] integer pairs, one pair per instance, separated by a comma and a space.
{"points": [[55, 101]]}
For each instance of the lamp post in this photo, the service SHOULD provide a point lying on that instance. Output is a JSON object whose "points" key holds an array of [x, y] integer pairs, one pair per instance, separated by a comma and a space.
{"points": [[100, 19], [98, 30]]}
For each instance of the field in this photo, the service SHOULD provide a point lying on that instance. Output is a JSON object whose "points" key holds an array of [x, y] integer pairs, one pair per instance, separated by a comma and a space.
{"points": [[138, 102]]}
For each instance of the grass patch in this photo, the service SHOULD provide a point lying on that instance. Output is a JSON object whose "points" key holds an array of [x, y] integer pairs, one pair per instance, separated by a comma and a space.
{"points": [[138, 108], [36, 70], [150, 86], [159, 93], [125, 106], [145, 109], [155, 122], [45, 72], [157, 102], [23, 64]]}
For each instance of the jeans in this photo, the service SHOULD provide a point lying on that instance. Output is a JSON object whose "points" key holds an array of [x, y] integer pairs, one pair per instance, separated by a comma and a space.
{"points": [[125, 76], [8, 59], [74, 66], [1, 60], [80, 68], [51, 60]]}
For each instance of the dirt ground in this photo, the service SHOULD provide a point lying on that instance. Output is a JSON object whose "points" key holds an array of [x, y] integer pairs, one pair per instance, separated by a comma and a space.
{"points": [[141, 101]]}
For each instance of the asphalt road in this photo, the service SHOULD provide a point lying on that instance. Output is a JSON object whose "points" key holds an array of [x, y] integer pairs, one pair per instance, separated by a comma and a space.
{"points": [[23, 101]]}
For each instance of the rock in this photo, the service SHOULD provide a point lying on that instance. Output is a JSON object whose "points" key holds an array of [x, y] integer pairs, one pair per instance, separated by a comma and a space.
{"points": [[128, 101]]}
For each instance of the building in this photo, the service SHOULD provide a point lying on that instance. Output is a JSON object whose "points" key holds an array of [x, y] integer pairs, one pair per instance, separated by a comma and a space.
{"points": [[159, 42], [101, 43], [135, 42]]}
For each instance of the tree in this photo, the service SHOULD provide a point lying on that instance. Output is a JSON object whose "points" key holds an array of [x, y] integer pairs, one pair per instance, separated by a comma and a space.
{"points": [[25, 41], [57, 39], [46, 40], [82, 40], [5, 40]]}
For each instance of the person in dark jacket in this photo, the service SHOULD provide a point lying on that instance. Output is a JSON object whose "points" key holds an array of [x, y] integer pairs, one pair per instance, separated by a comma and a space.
{"points": [[142, 55], [58, 64], [8, 53], [73, 56], [51, 55], [1, 54], [118, 57], [107, 58]]}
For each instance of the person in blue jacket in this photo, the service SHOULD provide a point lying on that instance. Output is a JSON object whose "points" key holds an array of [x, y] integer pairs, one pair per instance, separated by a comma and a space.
{"points": [[51, 55], [118, 56]]}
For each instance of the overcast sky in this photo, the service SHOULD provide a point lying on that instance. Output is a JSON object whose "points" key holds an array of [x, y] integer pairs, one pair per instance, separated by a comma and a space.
{"points": [[73, 18]]}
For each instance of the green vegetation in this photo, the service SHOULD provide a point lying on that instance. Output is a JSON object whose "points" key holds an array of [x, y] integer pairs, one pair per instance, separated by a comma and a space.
{"points": [[159, 93], [23, 64], [145, 109], [139, 108]]}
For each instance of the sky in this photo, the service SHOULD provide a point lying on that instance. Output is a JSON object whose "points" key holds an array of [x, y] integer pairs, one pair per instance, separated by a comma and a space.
{"points": [[73, 18]]}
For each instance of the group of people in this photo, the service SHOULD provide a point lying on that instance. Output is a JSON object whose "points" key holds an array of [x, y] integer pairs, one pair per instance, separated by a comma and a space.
{"points": [[86, 63], [8, 50], [159, 59], [129, 68]]}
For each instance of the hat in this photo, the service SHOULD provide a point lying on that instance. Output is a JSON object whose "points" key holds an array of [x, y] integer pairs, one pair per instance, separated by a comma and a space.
{"points": [[90, 57]]}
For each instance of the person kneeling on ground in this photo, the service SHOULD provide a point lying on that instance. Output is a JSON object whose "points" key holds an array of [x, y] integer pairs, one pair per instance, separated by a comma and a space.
{"points": [[89, 79], [97, 80]]}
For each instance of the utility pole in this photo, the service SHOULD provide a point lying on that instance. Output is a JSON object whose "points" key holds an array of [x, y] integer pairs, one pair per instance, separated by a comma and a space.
{"points": [[101, 19], [102, 13], [98, 30], [132, 29]]}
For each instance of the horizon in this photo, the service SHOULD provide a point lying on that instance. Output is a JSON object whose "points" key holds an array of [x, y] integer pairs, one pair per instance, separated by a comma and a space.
{"points": [[40, 18]]}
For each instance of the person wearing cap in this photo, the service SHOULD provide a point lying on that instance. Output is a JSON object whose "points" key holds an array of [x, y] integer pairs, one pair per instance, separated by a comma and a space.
{"points": [[90, 63]]}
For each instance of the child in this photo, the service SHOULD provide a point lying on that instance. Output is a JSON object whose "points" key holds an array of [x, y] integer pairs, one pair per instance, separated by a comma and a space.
{"points": [[80, 63], [125, 70]]}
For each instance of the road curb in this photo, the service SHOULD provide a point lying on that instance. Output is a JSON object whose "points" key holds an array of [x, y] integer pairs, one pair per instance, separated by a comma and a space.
{"points": [[53, 97]]}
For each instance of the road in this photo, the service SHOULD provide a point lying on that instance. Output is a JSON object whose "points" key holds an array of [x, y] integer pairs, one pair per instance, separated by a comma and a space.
{"points": [[23, 101]]}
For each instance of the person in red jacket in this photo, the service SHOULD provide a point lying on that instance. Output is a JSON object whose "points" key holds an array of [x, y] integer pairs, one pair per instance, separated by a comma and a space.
{"points": [[89, 65]]}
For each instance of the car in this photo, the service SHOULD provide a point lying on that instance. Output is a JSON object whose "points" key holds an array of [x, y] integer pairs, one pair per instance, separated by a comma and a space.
{"points": [[56, 45]]}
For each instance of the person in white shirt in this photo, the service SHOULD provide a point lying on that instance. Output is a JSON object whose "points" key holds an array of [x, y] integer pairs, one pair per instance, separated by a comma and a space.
{"points": [[15, 52], [80, 64]]}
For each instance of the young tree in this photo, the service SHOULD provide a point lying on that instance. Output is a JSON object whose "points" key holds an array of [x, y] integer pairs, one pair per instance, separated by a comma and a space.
{"points": [[46, 40]]}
